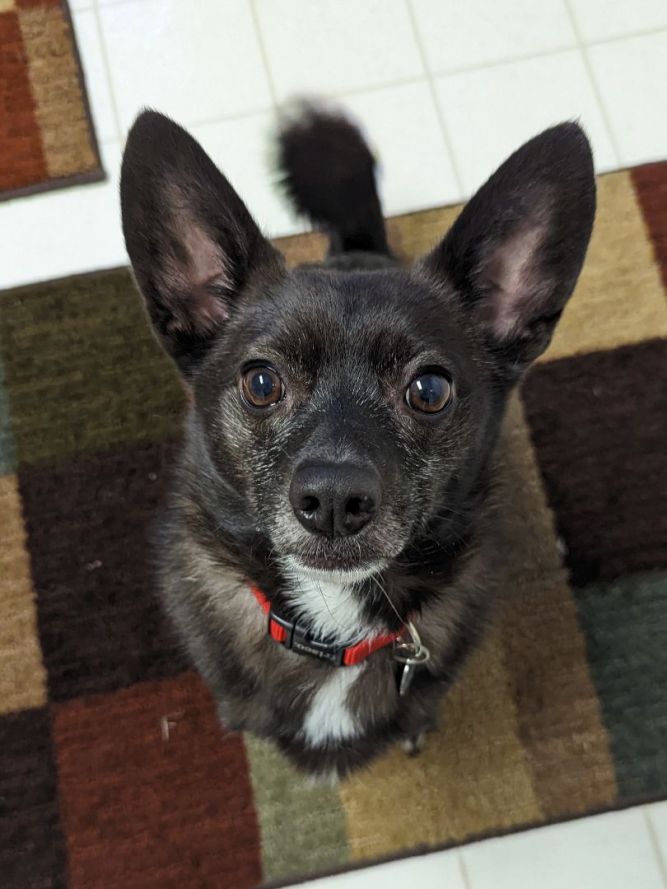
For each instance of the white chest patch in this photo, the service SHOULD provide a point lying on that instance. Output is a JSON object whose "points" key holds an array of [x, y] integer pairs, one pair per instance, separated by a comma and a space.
{"points": [[330, 607], [328, 719]]}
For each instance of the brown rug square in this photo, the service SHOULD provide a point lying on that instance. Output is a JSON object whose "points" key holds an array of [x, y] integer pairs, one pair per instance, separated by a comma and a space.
{"points": [[46, 133]]}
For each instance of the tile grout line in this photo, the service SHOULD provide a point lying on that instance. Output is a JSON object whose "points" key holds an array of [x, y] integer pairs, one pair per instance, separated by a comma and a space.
{"points": [[662, 866], [229, 118], [530, 56], [376, 88], [259, 36], [434, 98], [506, 60], [594, 84], [363, 90], [107, 72], [464, 870], [603, 41]]}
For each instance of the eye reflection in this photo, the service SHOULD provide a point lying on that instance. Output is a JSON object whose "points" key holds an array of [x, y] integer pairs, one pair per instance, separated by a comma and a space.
{"points": [[429, 392], [261, 387]]}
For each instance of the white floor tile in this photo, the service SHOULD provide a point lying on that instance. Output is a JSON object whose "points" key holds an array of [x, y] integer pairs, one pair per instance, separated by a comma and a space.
{"points": [[63, 232], [333, 46], [491, 112], [97, 84], [195, 64], [657, 815], [439, 870], [631, 75], [242, 148], [401, 125], [612, 851], [602, 19], [204, 67], [474, 33]]}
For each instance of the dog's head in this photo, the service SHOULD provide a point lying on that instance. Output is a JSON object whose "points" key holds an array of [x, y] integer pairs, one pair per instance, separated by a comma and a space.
{"points": [[343, 412]]}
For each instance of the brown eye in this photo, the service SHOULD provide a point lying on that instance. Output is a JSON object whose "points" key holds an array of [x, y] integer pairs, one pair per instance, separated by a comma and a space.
{"points": [[429, 393], [261, 387]]}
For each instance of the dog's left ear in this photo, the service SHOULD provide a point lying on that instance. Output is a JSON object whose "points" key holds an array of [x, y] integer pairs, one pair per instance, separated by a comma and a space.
{"points": [[515, 252]]}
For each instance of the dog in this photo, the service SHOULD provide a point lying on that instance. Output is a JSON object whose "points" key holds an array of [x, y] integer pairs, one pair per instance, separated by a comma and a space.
{"points": [[332, 541]]}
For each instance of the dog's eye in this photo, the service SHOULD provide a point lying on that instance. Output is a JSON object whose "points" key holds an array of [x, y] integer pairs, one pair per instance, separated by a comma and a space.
{"points": [[261, 387], [429, 392]]}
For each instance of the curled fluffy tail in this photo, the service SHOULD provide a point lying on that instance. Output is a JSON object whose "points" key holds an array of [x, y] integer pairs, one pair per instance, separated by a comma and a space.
{"points": [[328, 172]]}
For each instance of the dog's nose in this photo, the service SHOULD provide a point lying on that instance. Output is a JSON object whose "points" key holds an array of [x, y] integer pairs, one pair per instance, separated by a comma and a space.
{"points": [[335, 500]]}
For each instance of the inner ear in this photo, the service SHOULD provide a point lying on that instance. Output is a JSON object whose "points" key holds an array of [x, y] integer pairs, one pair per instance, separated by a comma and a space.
{"points": [[510, 281], [195, 266], [196, 251], [515, 252]]}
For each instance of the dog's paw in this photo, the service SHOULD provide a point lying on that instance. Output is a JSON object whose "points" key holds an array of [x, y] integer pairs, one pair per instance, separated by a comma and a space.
{"points": [[414, 744], [326, 780]]}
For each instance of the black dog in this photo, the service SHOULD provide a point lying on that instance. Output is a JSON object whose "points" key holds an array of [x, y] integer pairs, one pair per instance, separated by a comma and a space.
{"points": [[339, 460]]}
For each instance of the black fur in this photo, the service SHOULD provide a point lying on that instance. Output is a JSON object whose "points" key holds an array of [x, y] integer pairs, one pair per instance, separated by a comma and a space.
{"points": [[328, 173], [346, 337]]}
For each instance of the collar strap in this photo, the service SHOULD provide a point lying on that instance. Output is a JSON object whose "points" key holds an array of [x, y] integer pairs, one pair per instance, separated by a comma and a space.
{"points": [[289, 634]]}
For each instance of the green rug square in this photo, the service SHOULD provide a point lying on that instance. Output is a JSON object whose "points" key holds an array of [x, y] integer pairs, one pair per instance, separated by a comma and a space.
{"points": [[82, 368]]}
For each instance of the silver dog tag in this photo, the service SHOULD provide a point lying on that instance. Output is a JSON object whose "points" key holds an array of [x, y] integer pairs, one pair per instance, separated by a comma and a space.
{"points": [[412, 653]]}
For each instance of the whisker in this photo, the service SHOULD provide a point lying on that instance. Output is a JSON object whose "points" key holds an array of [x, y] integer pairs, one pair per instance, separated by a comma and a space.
{"points": [[387, 597], [326, 604]]}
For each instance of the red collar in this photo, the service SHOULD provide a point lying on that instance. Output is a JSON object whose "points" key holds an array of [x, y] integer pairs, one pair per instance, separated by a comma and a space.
{"points": [[289, 634]]}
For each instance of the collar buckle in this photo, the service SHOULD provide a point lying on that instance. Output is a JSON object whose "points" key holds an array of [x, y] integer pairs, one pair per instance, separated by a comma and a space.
{"points": [[296, 639]]}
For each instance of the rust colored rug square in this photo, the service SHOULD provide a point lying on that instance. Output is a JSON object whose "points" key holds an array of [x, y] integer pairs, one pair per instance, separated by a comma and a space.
{"points": [[46, 133], [113, 769]]}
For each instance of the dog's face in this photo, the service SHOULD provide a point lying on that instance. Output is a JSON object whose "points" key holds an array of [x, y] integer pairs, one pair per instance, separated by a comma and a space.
{"points": [[344, 412], [343, 405]]}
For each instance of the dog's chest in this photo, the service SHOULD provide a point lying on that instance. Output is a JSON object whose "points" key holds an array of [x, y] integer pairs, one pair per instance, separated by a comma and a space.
{"points": [[331, 609], [329, 718], [328, 608]]}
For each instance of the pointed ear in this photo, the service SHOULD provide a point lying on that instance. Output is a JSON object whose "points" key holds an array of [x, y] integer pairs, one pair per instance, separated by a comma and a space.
{"points": [[515, 252], [193, 245]]}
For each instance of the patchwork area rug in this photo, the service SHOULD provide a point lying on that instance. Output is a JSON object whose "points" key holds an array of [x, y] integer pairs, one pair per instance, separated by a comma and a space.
{"points": [[46, 134], [113, 770]]}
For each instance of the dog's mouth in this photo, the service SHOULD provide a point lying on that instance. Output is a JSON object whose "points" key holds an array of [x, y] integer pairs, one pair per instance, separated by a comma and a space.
{"points": [[327, 567], [329, 563], [357, 556]]}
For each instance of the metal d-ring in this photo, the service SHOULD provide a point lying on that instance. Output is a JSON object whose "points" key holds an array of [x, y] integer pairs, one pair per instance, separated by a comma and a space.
{"points": [[413, 652]]}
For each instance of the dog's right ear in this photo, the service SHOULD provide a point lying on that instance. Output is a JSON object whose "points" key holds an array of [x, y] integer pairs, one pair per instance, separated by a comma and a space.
{"points": [[193, 245], [515, 252]]}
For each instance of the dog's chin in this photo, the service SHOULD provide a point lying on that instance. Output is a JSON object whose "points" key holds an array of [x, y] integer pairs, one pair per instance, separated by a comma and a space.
{"points": [[334, 568]]}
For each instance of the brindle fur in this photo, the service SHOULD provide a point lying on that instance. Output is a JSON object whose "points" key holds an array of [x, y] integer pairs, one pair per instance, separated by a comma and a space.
{"points": [[345, 335]]}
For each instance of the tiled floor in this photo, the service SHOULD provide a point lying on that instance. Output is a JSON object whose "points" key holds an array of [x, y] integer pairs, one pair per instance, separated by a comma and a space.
{"points": [[445, 90], [619, 850]]}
